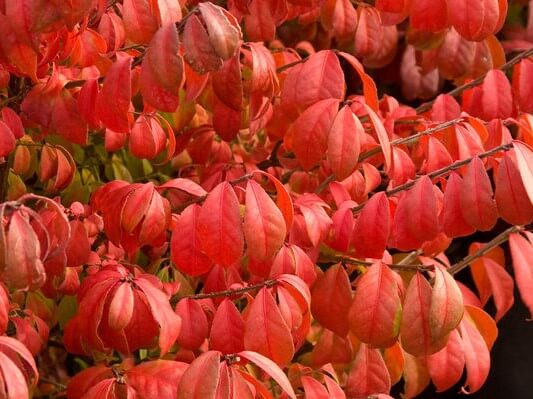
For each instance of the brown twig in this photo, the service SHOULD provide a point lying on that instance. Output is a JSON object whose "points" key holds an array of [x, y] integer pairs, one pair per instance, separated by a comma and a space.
{"points": [[440, 172], [496, 241], [237, 291], [411, 139]]}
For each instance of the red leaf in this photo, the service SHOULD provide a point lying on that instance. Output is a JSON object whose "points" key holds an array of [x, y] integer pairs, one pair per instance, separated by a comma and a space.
{"points": [[147, 138], [224, 31], [283, 198], [344, 143], [194, 325], [522, 89], [23, 268], [416, 217], [332, 291], [13, 383], [7, 140], [372, 230], [4, 309], [497, 97], [415, 375], [220, 227], [140, 22], [185, 244], [451, 217], [319, 78], [382, 136], [156, 378], [370, 91], [266, 332], [169, 322], [376, 309], [310, 132], [199, 52], [446, 310], [512, 201], [369, 374], [446, 366], [313, 389], [200, 380], [522, 253], [339, 18], [227, 329], [429, 15], [17, 367], [331, 348], [121, 307], [477, 357], [474, 21], [13, 121], [415, 332], [524, 160], [162, 72], [477, 205], [113, 101], [264, 226], [271, 369]]}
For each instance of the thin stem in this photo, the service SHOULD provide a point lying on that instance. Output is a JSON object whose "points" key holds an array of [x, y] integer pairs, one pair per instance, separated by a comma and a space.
{"points": [[411, 139], [398, 266], [237, 291], [290, 65], [496, 241], [476, 82], [440, 172]]}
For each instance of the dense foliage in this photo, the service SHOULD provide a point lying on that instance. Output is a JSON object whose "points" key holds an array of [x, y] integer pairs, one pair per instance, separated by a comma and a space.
{"points": [[218, 200]]}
